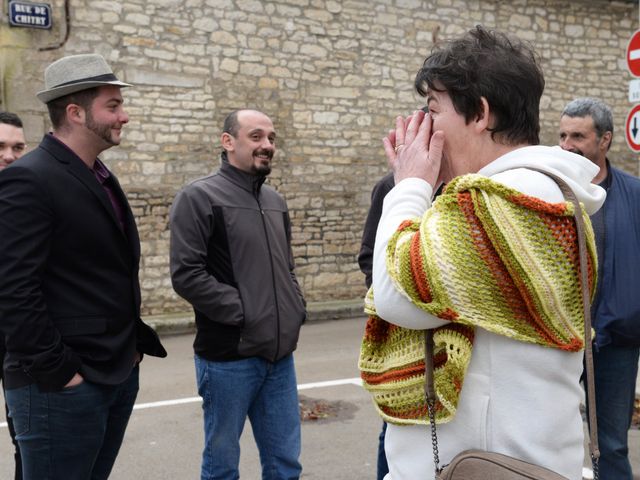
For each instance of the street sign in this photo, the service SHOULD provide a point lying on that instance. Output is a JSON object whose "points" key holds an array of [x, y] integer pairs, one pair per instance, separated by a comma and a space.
{"points": [[634, 91], [29, 14], [632, 129], [633, 54]]}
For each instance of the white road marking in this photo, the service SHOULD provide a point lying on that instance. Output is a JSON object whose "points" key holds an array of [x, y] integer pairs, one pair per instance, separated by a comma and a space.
{"points": [[180, 401], [331, 383], [166, 403]]}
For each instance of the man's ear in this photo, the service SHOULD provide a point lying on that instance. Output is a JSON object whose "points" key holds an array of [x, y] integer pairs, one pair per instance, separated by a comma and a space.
{"points": [[482, 121], [75, 114], [227, 141], [605, 140]]}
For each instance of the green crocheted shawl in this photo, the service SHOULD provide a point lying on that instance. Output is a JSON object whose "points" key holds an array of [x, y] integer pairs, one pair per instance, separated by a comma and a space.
{"points": [[484, 255]]}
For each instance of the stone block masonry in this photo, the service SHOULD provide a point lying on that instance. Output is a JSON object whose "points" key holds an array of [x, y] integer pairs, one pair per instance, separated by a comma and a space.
{"points": [[332, 74]]}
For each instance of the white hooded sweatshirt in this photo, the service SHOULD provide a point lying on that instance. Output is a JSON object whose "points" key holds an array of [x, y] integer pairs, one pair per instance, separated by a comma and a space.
{"points": [[518, 399]]}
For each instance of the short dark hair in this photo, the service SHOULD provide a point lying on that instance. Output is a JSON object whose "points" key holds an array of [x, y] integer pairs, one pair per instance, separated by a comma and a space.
{"points": [[58, 107], [231, 124], [594, 108], [486, 63], [10, 119]]}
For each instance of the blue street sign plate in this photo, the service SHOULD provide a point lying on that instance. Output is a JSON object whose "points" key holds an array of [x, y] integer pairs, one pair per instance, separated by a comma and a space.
{"points": [[29, 14]]}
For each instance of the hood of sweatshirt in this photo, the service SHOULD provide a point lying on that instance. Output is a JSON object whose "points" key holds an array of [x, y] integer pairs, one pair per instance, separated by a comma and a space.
{"points": [[574, 169]]}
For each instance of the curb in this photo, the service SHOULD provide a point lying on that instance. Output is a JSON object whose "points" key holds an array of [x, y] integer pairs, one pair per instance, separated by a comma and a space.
{"points": [[183, 322]]}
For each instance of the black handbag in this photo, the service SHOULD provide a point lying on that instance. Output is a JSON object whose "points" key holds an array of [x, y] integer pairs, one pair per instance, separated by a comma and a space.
{"points": [[482, 465]]}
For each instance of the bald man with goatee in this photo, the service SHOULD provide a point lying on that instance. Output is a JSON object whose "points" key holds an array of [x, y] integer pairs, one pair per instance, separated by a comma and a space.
{"points": [[231, 259]]}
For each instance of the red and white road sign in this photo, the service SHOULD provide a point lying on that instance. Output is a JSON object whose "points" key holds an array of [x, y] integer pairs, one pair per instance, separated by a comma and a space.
{"points": [[633, 54], [632, 129]]}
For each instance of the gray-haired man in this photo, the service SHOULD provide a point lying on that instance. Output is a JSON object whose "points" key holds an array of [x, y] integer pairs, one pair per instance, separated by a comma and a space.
{"points": [[586, 128]]}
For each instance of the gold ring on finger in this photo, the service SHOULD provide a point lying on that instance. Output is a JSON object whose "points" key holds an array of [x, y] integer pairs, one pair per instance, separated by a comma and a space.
{"points": [[397, 147]]}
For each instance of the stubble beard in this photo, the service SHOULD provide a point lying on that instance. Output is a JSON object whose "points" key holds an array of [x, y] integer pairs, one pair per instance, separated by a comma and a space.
{"points": [[102, 130]]}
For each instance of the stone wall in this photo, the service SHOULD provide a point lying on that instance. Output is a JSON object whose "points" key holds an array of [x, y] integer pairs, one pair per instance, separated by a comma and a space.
{"points": [[332, 74]]}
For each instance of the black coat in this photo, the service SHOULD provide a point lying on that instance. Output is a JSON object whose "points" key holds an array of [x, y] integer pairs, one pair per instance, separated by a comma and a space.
{"points": [[365, 257], [69, 289]]}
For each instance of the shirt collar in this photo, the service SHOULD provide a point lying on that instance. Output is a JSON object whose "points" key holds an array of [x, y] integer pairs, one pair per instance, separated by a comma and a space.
{"points": [[246, 180], [100, 171]]}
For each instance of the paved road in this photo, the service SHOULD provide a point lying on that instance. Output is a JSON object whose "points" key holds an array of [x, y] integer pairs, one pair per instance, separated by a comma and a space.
{"points": [[164, 441]]}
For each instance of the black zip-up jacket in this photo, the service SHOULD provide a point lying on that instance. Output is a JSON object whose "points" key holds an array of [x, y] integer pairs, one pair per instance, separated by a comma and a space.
{"points": [[231, 259]]}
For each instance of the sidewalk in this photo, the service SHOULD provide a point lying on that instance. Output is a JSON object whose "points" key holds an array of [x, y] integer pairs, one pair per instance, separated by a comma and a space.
{"points": [[179, 323]]}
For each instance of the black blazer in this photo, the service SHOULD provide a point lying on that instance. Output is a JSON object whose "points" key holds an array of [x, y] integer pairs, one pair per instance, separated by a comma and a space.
{"points": [[69, 289]]}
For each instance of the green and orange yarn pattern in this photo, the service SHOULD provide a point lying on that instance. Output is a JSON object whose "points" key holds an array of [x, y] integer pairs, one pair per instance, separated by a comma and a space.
{"points": [[484, 255]]}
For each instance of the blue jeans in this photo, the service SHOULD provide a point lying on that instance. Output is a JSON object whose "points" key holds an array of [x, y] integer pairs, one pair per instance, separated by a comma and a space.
{"points": [[265, 392], [615, 371], [383, 467], [73, 434], [16, 455]]}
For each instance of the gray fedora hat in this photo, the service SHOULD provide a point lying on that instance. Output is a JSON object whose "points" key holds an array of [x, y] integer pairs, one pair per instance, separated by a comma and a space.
{"points": [[76, 73]]}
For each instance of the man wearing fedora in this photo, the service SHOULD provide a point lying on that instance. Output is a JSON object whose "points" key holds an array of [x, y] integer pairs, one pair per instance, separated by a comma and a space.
{"points": [[69, 289]]}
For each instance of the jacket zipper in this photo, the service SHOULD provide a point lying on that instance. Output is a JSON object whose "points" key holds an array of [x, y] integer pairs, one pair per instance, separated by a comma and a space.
{"points": [[273, 277]]}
